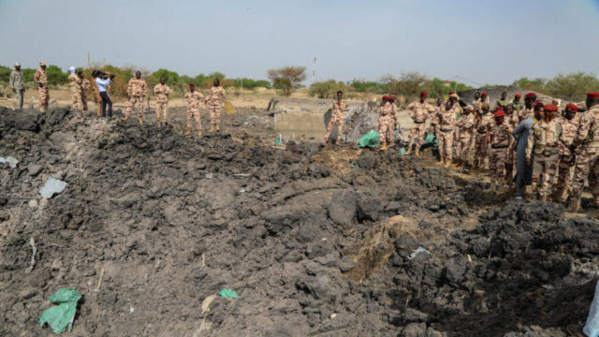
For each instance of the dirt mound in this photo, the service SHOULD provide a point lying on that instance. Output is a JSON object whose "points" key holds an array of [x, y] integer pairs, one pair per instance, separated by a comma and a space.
{"points": [[316, 242]]}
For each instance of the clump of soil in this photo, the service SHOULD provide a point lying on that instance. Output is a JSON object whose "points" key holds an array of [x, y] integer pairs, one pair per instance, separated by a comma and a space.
{"points": [[316, 241]]}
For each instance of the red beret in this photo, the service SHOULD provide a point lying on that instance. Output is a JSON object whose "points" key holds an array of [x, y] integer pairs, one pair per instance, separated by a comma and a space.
{"points": [[423, 93], [593, 95], [497, 108], [572, 107], [530, 95], [391, 98], [192, 85], [538, 101], [499, 113], [518, 95], [550, 107], [484, 94], [452, 92], [386, 98]]}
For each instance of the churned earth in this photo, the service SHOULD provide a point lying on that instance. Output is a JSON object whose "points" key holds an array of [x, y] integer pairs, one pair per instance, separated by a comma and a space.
{"points": [[334, 241]]}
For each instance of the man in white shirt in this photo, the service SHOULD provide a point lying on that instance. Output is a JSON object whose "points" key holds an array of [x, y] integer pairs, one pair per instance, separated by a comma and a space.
{"points": [[103, 81]]}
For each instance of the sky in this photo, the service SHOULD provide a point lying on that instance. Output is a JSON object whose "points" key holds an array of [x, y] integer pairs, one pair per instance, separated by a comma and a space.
{"points": [[475, 42]]}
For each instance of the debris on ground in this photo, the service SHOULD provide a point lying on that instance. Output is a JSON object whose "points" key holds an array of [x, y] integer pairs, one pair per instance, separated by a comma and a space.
{"points": [[61, 317]]}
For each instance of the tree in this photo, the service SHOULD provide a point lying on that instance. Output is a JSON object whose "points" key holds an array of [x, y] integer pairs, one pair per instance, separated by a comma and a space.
{"points": [[408, 85], [287, 78], [326, 89], [572, 86], [56, 75], [4, 74], [171, 77], [537, 84]]}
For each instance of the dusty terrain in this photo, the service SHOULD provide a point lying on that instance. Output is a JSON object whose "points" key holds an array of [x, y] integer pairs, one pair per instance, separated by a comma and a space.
{"points": [[333, 241]]}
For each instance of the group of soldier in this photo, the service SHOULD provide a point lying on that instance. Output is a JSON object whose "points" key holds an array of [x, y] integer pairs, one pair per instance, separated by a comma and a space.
{"points": [[136, 90], [525, 142]]}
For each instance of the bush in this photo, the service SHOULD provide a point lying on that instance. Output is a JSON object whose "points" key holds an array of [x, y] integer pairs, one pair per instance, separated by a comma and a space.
{"points": [[248, 83], [287, 79], [326, 89], [572, 86], [5, 74], [368, 87], [56, 75]]}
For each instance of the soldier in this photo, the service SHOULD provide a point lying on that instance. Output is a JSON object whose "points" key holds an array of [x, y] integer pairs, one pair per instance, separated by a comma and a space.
{"points": [[466, 127], [447, 121], [419, 112], [41, 78], [511, 119], [336, 118], [85, 85], [137, 90], [386, 122], [162, 92], [482, 126], [95, 77], [545, 140], [503, 102], [435, 117], [215, 100], [569, 124], [499, 137], [477, 103], [17, 85], [586, 147], [484, 99], [193, 99], [527, 111], [517, 104], [75, 87]]}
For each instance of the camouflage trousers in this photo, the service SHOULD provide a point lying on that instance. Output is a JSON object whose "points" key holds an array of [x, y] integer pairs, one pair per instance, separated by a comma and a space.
{"points": [[193, 113], [565, 174], [44, 93], [455, 149], [416, 134], [386, 127], [215, 111], [510, 161], [544, 169], [480, 149], [75, 99], [83, 102], [464, 145], [445, 145], [586, 167], [334, 121], [133, 100], [161, 111], [497, 161]]}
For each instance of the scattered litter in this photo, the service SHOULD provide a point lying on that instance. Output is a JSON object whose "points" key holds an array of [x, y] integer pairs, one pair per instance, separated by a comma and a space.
{"points": [[430, 138], [417, 252], [246, 123], [241, 175], [229, 108], [279, 140], [370, 139], [61, 316], [333, 315], [33, 252], [206, 303], [11, 161], [228, 293], [131, 309], [402, 151], [241, 191], [51, 187]]}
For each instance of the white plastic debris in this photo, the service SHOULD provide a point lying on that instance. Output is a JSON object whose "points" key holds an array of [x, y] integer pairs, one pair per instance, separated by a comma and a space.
{"points": [[51, 187], [418, 251], [11, 161]]}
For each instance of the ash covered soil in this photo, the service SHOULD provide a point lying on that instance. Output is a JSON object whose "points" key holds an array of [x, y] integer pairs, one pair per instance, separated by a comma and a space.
{"points": [[315, 241]]}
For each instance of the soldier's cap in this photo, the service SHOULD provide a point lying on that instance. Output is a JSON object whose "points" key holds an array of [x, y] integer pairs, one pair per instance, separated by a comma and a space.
{"points": [[385, 98], [530, 95], [499, 113], [484, 94], [451, 93], [594, 95], [391, 98], [497, 108], [191, 85], [572, 107], [423, 93], [518, 96], [17, 64], [550, 107], [42, 64]]}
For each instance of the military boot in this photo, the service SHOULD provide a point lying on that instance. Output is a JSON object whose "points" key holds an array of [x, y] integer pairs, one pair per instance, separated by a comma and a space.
{"points": [[417, 152], [200, 133], [409, 149], [574, 205], [383, 147], [218, 128], [188, 131], [211, 129], [141, 121], [125, 118]]}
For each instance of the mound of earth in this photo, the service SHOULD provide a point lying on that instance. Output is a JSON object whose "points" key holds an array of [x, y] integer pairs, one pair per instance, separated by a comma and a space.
{"points": [[315, 241]]}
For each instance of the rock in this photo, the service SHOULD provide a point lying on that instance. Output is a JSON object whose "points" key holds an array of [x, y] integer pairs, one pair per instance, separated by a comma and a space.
{"points": [[39, 277], [318, 250], [414, 330], [455, 270], [346, 264], [413, 315], [369, 207], [319, 170], [343, 208], [366, 161], [89, 273]]}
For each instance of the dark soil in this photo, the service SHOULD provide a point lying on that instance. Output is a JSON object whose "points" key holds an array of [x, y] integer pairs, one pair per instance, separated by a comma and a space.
{"points": [[316, 241]]}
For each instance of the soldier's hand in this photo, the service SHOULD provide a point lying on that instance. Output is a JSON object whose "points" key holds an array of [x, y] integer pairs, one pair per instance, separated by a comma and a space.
{"points": [[41, 85], [527, 161]]}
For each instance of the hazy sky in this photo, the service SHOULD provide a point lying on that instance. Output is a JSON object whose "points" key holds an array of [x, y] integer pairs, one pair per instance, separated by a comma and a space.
{"points": [[481, 41]]}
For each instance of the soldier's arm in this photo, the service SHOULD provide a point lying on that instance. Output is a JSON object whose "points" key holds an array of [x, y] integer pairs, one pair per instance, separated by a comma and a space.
{"points": [[11, 82], [145, 88], [130, 87], [583, 130]]}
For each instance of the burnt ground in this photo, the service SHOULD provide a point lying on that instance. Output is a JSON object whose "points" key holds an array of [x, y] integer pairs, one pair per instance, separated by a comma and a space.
{"points": [[316, 241]]}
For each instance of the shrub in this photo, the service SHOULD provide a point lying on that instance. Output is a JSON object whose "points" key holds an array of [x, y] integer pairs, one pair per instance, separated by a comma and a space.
{"points": [[287, 79], [572, 86]]}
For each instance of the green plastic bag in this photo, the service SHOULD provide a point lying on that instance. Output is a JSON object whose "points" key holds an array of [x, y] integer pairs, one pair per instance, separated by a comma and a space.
{"points": [[402, 151], [61, 316], [228, 293], [279, 140], [370, 139], [430, 138]]}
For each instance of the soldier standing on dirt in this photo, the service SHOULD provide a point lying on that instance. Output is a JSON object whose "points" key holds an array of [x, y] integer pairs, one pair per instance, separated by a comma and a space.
{"points": [[137, 90], [565, 167], [484, 99], [477, 103], [41, 78], [419, 112], [215, 100], [466, 126], [162, 92], [336, 118], [435, 117], [447, 121], [586, 147], [511, 120], [194, 99], [85, 85], [482, 126], [75, 87], [503, 102], [517, 104], [386, 122], [545, 140], [500, 136], [17, 85], [527, 111]]}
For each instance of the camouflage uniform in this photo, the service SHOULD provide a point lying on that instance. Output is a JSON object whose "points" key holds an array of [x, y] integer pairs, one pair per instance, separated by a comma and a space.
{"points": [[435, 120], [510, 161], [478, 106], [466, 127], [447, 121], [215, 100], [544, 139], [75, 87], [565, 167], [162, 91], [501, 138], [336, 119], [419, 112], [587, 158], [193, 100], [481, 127], [85, 85], [525, 113], [136, 90], [387, 118], [41, 77]]}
